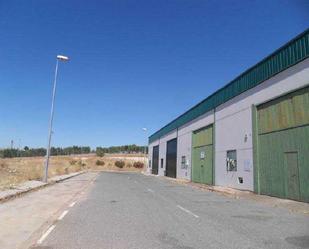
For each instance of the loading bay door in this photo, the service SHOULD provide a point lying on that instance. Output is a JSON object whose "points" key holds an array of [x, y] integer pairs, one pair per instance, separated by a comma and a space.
{"points": [[202, 155], [171, 158], [155, 159], [283, 146]]}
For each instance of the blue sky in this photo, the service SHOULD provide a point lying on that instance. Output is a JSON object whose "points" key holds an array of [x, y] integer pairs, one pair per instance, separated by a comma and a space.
{"points": [[133, 63]]}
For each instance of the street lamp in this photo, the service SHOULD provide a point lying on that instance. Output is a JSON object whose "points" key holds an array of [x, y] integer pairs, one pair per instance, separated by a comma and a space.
{"points": [[145, 130], [64, 59]]}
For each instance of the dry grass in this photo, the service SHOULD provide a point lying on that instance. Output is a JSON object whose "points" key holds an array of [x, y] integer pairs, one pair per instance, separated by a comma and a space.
{"points": [[16, 170]]}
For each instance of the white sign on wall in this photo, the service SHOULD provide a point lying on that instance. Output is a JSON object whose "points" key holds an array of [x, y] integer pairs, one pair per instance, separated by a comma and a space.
{"points": [[202, 155], [247, 165]]}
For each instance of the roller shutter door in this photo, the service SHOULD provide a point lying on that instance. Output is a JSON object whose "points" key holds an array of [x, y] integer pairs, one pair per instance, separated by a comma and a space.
{"points": [[283, 146], [202, 155], [171, 158], [155, 159]]}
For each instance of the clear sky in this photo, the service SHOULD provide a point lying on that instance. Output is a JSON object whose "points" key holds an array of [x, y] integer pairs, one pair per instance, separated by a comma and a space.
{"points": [[133, 63]]}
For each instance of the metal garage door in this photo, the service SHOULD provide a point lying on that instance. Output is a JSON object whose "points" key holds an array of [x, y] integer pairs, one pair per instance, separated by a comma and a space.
{"points": [[171, 158], [283, 147], [202, 155], [155, 159]]}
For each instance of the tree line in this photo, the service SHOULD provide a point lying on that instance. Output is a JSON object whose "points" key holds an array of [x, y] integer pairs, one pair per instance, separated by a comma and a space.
{"points": [[130, 148], [71, 150], [54, 151]]}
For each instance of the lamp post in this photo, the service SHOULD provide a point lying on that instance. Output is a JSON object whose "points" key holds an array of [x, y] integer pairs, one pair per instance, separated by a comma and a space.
{"points": [[145, 130], [64, 59]]}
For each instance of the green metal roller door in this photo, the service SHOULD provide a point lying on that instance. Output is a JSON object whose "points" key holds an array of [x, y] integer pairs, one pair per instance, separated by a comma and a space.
{"points": [[282, 164], [155, 160], [202, 155]]}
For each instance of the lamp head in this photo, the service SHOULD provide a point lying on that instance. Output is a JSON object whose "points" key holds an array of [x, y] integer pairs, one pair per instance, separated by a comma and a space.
{"points": [[62, 58]]}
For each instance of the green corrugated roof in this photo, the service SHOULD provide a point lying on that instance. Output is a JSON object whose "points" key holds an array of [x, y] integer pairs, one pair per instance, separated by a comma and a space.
{"points": [[288, 55]]}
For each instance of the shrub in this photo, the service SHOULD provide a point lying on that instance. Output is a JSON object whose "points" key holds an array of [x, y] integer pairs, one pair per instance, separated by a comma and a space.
{"points": [[3, 166], [81, 163], [129, 165], [77, 167], [59, 170], [138, 165], [119, 164], [99, 162], [73, 162], [33, 173]]}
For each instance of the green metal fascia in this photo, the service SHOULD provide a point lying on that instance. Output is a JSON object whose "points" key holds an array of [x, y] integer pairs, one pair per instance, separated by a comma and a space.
{"points": [[288, 55]]}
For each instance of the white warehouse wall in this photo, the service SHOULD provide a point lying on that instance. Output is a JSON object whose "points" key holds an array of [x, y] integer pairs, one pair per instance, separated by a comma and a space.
{"points": [[233, 128], [233, 121], [230, 132], [150, 147]]}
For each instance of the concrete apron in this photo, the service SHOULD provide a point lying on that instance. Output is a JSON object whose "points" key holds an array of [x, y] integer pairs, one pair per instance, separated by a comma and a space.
{"points": [[292, 206]]}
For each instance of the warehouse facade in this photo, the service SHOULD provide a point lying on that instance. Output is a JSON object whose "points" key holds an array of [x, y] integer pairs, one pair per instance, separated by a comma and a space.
{"points": [[252, 134]]}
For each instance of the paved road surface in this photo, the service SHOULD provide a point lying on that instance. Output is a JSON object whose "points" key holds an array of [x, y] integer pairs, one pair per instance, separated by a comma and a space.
{"points": [[128, 210], [23, 219]]}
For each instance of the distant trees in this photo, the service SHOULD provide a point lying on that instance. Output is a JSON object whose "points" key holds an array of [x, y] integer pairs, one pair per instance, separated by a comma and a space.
{"points": [[131, 148], [55, 151], [71, 150], [100, 151]]}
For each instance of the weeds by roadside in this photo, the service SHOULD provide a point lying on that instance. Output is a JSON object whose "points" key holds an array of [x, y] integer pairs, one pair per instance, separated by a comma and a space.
{"points": [[16, 170]]}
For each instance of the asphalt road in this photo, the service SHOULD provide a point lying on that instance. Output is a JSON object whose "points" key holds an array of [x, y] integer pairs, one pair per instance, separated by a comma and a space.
{"points": [[128, 210]]}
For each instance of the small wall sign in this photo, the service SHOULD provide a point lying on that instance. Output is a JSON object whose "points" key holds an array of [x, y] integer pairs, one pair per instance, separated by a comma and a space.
{"points": [[247, 165], [202, 155]]}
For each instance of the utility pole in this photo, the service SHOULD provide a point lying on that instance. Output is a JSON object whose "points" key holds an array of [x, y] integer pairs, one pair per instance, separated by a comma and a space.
{"points": [[59, 58], [145, 148], [19, 149]]}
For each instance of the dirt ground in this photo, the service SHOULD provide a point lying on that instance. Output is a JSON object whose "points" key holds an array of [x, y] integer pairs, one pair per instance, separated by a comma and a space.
{"points": [[16, 170]]}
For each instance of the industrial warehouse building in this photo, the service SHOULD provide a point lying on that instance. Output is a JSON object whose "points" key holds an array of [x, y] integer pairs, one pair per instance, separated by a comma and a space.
{"points": [[252, 134]]}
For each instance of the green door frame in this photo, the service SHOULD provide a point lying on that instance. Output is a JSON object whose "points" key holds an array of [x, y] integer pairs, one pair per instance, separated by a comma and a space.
{"points": [[213, 150], [255, 141]]}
